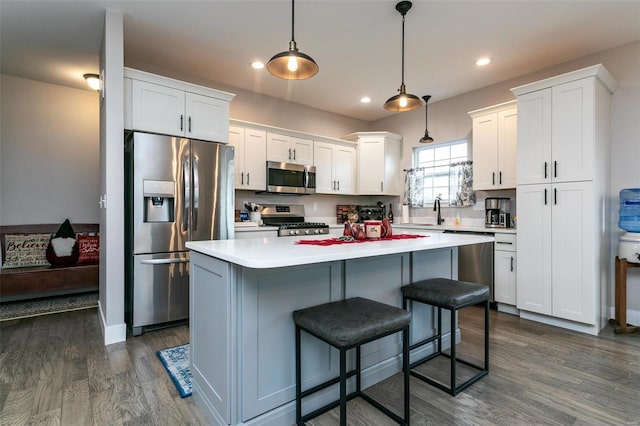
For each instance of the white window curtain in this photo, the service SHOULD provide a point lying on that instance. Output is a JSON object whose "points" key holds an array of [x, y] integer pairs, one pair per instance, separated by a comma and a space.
{"points": [[460, 185]]}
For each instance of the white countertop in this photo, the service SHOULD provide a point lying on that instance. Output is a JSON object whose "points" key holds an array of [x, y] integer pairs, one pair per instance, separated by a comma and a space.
{"points": [[280, 252]]}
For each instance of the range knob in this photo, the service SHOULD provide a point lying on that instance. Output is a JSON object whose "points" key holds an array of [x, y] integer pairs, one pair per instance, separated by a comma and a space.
{"points": [[317, 231], [292, 232], [307, 232]]}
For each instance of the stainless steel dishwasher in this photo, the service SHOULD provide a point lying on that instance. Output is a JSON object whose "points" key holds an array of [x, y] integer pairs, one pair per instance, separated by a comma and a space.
{"points": [[475, 262]]}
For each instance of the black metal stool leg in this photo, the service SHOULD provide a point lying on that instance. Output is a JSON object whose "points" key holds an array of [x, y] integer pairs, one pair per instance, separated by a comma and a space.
{"points": [[298, 379], [439, 331], [453, 352], [343, 387], [405, 368], [486, 335]]}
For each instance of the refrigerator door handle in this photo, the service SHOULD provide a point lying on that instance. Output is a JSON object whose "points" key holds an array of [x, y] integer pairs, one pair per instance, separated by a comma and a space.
{"points": [[164, 261], [186, 192], [196, 192]]}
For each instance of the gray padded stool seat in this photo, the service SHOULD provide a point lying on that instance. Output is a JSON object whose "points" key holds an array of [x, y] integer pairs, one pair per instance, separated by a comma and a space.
{"points": [[348, 324], [452, 295]]}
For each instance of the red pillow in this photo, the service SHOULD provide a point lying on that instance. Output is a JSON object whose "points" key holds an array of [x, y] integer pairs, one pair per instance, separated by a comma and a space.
{"points": [[89, 246]]}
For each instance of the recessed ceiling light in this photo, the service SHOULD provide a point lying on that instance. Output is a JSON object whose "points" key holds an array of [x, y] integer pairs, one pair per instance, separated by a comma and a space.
{"points": [[258, 65], [365, 99], [483, 61]]}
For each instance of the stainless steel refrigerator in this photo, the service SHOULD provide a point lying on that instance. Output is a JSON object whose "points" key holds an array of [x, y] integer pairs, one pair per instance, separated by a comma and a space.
{"points": [[177, 190]]}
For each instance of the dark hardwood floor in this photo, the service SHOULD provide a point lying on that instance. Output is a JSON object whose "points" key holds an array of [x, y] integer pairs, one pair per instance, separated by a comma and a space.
{"points": [[55, 370]]}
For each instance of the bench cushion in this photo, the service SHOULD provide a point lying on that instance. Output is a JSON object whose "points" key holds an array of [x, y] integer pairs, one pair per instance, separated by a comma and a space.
{"points": [[350, 322], [446, 293]]}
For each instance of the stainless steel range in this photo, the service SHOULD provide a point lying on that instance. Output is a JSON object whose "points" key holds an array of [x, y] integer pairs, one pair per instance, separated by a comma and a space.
{"points": [[289, 218]]}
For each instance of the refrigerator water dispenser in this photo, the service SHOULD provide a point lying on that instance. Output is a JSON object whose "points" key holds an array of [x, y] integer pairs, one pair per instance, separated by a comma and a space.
{"points": [[159, 196]]}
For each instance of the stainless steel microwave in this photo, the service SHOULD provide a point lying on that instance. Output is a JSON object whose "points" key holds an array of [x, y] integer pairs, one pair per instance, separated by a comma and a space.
{"points": [[289, 178]]}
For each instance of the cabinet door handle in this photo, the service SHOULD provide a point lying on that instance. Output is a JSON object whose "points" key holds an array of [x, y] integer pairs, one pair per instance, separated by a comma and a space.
{"points": [[555, 196], [338, 185], [546, 174], [181, 122], [294, 155], [381, 186], [545, 196], [493, 178], [555, 169], [289, 153], [189, 123], [248, 178], [241, 178], [504, 242], [511, 263], [500, 178], [333, 185]]}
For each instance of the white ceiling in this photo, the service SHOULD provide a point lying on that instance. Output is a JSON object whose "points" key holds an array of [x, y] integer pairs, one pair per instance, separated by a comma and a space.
{"points": [[356, 43]]}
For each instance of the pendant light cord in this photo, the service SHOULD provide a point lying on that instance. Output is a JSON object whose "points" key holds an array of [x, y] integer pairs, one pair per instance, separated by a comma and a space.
{"points": [[293, 15], [403, 49]]}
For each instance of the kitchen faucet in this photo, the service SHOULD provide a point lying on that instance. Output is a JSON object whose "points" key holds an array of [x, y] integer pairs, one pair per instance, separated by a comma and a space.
{"points": [[436, 208]]}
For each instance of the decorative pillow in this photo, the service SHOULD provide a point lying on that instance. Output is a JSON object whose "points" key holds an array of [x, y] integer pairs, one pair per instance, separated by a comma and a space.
{"points": [[63, 248], [89, 246], [25, 250]]}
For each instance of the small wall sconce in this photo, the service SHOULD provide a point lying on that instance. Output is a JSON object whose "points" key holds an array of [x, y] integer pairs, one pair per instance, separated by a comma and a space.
{"points": [[93, 80]]}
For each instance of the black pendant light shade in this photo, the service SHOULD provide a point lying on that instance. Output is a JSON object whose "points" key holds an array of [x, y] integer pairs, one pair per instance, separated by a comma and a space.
{"points": [[292, 64], [403, 101], [426, 138]]}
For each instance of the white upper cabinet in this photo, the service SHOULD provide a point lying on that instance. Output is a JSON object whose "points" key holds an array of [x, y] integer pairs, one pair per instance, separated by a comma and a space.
{"points": [[250, 157], [495, 138], [289, 149], [379, 170], [167, 106], [559, 121], [335, 168]]}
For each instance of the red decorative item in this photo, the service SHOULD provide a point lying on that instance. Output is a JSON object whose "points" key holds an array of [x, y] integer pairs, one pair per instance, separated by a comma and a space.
{"points": [[338, 241], [348, 232], [89, 247], [387, 232]]}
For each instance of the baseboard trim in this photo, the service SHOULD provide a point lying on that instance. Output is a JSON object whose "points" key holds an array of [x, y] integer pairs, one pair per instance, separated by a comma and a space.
{"points": [[113, 333]]}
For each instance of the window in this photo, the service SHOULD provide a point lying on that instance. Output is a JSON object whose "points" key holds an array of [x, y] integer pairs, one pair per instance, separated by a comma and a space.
{"points": [[436, 161]]}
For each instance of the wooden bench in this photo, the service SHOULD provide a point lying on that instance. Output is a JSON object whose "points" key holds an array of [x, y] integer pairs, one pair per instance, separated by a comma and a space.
{"points": [[42, 281]]}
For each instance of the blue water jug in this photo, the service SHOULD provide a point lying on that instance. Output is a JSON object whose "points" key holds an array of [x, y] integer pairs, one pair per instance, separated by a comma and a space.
{"points": [[630, 210]]}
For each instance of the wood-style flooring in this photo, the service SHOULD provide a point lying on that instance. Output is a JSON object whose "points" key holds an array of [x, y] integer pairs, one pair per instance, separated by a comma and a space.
{"points": [[55, 370]]}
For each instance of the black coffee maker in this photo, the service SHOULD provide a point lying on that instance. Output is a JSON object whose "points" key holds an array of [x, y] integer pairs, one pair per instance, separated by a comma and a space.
{"points": [[497, 212], [492, 212]]}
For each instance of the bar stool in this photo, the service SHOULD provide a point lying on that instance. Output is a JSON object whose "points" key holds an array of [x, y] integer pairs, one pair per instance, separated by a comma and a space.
{"points": [[348, 324], [452, 295]]}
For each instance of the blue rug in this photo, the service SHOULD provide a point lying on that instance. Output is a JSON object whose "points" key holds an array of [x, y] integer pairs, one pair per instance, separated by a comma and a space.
{"points": [[176, 361]]}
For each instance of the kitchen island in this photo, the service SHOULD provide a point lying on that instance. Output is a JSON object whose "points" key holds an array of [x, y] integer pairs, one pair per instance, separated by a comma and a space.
{"points": [[242, 295]]}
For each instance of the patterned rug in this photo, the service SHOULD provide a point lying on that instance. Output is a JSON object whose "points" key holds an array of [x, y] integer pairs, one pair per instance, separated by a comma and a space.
{"points": [[49, 305], [176, 361]]}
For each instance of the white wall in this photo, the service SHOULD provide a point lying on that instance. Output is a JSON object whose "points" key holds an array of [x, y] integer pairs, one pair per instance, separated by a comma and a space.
{"points": [[49, 157]]}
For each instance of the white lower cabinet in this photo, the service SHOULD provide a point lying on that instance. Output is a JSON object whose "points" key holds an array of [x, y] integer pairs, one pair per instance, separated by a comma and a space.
{"points": [[505, 269], [558, 261]]}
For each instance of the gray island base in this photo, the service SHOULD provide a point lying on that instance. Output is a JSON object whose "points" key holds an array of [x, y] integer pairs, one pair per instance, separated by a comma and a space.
{"points": [[243, 293]]}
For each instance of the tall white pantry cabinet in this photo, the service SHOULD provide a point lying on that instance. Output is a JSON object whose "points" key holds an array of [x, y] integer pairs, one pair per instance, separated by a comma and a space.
{"points": [[562, 191]]}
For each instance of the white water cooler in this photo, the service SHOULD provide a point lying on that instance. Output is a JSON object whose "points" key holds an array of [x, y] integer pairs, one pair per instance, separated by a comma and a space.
{"points": [[629, 245]]}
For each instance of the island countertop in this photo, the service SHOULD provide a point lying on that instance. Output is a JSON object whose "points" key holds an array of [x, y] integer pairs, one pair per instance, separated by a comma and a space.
{"points": [[282, 252]]}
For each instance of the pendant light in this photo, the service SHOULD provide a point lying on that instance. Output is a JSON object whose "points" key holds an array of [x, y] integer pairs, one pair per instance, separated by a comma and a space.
{"points": [[426, 138], [403, 101], [292, 64]]}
